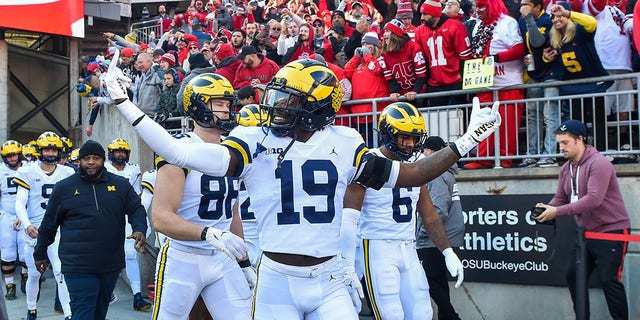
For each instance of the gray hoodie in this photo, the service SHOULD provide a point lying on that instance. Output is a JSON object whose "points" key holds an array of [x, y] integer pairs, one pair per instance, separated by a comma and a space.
{"points": [[444, 194]]}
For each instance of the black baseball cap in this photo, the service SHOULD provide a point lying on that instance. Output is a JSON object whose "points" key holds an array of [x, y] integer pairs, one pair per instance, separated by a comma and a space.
{"points": [[245, 51], [434, 143]]}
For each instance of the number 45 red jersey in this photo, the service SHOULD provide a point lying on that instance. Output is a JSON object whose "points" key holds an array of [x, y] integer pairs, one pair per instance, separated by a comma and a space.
{"points": [[444, 47], [404, 66]]}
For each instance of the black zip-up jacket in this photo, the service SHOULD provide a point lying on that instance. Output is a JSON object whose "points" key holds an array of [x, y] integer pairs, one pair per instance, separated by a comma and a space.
{"points": [[91, 217]]}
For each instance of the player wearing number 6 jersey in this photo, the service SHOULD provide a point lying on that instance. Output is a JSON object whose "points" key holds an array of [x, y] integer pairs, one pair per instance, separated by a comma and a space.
{"points": [[185, 202], [35, 184], [296, 173], [394, 277]]}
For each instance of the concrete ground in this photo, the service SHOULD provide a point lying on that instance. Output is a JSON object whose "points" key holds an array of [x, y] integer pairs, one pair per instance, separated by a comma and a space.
{"points": [[119, 310]]}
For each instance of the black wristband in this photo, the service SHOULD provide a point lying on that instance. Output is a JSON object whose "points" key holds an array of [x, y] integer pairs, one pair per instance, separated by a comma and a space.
{"points": [[244, 263], [455, 149], [203, 235]]}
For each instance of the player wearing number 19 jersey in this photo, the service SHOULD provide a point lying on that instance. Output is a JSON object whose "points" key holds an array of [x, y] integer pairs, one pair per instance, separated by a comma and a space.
{"points": [[35, 184], [296, 173]]}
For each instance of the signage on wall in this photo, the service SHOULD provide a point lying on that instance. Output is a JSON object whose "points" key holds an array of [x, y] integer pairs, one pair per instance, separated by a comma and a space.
{"points": [[503, 244], [63, 17]]}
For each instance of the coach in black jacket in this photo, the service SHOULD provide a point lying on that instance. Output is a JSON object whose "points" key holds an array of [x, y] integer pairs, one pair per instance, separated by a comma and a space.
{"points": [[90, 208]]}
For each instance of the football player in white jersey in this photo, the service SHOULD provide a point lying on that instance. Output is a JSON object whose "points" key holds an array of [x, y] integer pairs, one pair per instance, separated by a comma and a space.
{"points": [[296, 173], [394, 277], [250, 115], [187, 204], [118, 155], [11, 245], [147, 185], [35, 183]]}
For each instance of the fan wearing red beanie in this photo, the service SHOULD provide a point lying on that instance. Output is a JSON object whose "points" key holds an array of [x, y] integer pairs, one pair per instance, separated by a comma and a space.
{"points": [[404, 66]]}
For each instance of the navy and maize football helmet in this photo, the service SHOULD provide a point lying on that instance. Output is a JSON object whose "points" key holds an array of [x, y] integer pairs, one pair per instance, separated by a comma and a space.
{"points": [[200, 91], [74, 155], [402, 119], [49, 140], [29, 152], [252, 115], [122, 145], [303, 94], [67, 146], [10, 148]]}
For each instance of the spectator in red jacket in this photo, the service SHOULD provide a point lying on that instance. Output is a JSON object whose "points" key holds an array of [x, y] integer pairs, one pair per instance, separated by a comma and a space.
{"points": [[225, 61], [255, 68], [303, 47], [367, 78]]}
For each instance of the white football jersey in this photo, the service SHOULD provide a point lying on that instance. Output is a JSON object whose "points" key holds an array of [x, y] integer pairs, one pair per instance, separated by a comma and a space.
{"points": [[40, 186], [9, 190], [206, 200], [299, 210], [389, 213], [247, 215], [130, 172], [149, 180]]}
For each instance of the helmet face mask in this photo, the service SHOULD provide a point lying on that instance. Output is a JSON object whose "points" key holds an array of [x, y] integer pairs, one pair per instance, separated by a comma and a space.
{"points": [[304, 95], [51, 141], [399, 123], [201, 99], [119, 145]]}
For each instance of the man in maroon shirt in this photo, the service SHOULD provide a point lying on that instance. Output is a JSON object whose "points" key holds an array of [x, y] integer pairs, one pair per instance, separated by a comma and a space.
{"points": [[588, 190]]}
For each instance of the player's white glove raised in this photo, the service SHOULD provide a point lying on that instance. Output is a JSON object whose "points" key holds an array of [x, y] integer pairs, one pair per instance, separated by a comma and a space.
{"points": [[116, 82], [482, 124], [453, 265], [355, 289], [251, 275], [227, 242]]}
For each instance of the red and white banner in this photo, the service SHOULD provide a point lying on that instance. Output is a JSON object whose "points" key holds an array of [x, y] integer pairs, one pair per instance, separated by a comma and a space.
{"points": [[63, 17]]}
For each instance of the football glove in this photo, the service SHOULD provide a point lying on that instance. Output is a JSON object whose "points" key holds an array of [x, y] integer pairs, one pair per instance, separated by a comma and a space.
{"points": [[355, 289], [482, 124], [227, 242], [115, 81], [251, 275], [453, 265]]}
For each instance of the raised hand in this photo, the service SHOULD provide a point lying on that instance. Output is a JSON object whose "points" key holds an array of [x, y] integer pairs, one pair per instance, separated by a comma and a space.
{"points": [[483, 123]]}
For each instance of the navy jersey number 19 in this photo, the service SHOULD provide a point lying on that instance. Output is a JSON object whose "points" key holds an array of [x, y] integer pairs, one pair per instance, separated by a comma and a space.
{"points": [[310, 169]]}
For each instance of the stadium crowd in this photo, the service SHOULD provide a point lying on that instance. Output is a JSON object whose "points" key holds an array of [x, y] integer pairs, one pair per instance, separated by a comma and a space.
{"points": [[390, 50]]}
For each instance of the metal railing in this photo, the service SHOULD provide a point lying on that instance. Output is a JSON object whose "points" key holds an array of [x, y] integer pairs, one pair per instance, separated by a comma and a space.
{"points": [[622, 138], [144, 29]]}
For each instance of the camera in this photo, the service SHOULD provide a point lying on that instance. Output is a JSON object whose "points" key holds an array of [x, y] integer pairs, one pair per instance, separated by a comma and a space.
{"points": [[536, 212]]}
